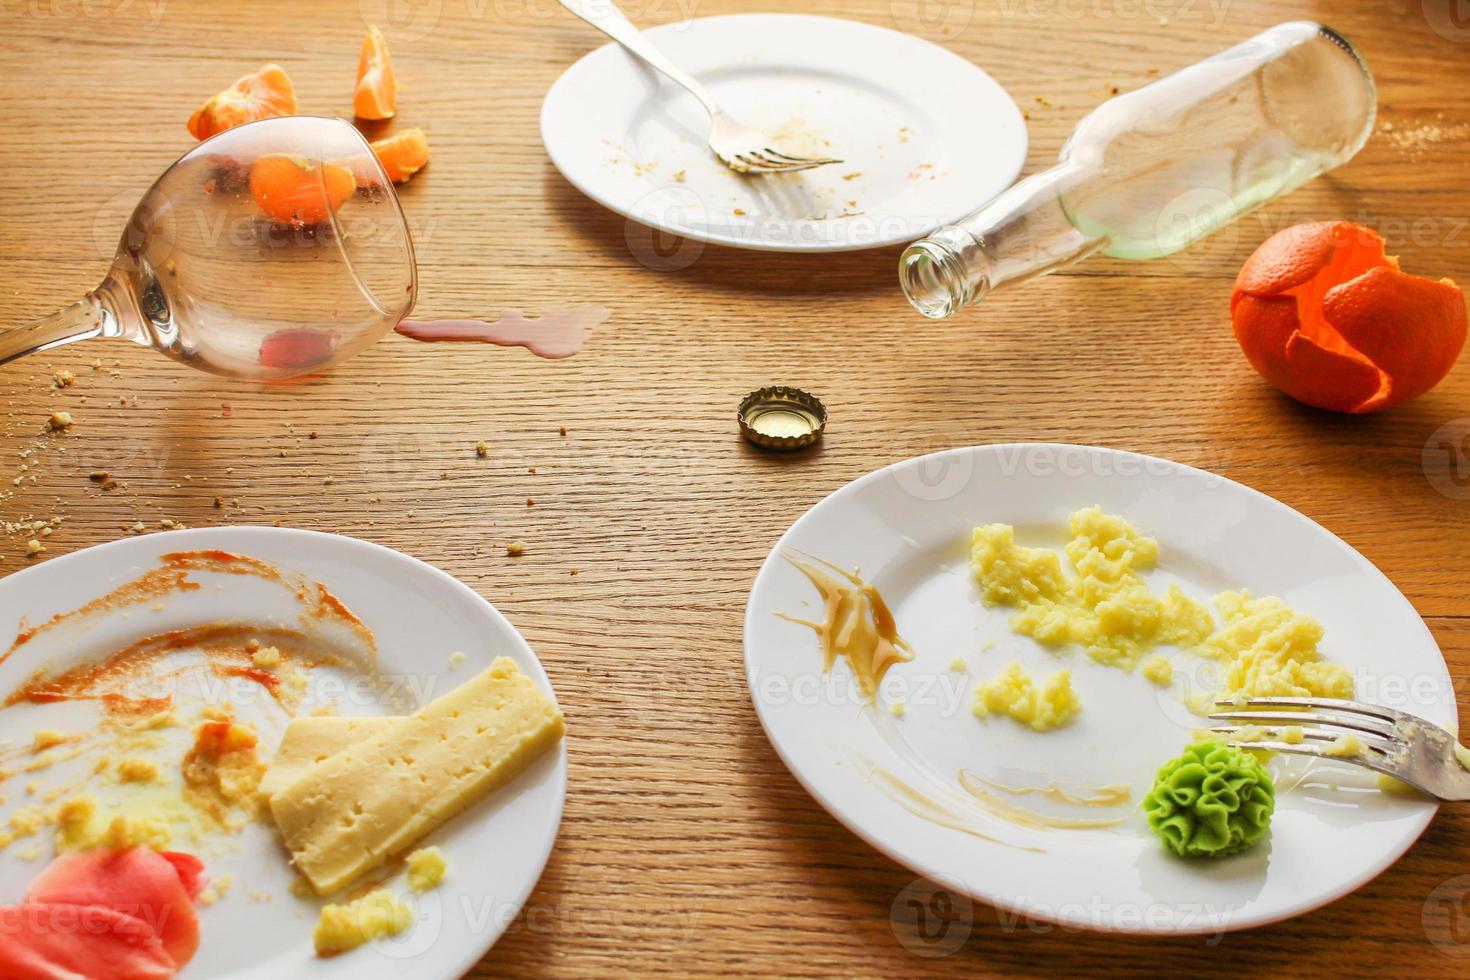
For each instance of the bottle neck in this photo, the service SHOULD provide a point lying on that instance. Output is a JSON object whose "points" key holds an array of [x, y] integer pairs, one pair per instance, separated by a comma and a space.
{"points": [[1022, 234]]}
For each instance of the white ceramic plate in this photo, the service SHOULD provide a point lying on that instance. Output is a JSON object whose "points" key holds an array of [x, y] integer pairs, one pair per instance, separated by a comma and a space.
{"points": [[420, 615], [925, 137], [906, 527]]}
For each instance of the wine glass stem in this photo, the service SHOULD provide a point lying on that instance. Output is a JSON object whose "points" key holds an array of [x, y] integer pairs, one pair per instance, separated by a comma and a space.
{"points": [[85, 318]]}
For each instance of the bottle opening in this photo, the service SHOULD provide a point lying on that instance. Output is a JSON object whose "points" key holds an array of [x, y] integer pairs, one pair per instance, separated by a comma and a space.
{"points": [[933, 279]]}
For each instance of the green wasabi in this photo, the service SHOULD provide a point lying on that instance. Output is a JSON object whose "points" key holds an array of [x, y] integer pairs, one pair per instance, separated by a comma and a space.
{"points": [[1211, 801]]}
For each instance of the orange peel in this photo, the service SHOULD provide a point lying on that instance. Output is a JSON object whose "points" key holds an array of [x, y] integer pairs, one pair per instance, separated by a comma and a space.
{"points": [[1324, 315]]}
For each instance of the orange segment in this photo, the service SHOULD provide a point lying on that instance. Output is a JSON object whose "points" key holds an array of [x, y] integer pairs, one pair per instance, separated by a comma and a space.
{"points": [[376, 96], [295, 191], [266, 93], [402, 154], [1323, 314]]}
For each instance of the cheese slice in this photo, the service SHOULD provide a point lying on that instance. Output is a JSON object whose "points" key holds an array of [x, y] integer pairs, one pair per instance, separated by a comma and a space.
{"points": [[310, 740], [373, 799]]}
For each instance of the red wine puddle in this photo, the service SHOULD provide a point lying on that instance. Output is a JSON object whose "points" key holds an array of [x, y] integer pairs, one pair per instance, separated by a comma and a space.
{"points": [[557, 334]]}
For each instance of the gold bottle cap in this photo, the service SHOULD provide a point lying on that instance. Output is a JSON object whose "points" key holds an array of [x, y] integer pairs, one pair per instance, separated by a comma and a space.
{"points": [[779, 417]]}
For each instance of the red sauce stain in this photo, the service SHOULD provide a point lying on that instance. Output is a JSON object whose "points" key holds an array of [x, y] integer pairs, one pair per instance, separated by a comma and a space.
{"points": [[560, 333], [172, 576], [264, 678]]}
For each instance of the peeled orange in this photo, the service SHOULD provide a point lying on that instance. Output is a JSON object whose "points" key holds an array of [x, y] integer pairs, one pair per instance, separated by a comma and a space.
{"points": [[266, 93], [376, 96], [296, 191], [402, 154], [1323, 314]]}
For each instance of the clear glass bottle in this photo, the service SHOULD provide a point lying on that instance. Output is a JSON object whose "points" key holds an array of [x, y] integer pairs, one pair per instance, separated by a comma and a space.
{"points": [[1149, 172]]}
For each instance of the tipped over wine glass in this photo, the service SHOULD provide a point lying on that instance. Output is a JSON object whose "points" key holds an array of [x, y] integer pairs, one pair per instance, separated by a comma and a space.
{"points": [[272, 250]]}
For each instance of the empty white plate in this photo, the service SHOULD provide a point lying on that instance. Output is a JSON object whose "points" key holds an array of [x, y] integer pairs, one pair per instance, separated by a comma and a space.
{"points": [[907, 528], [925, 137]]}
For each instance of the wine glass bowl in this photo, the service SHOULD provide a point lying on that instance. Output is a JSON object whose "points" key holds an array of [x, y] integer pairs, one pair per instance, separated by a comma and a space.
{"points": [[272, 250]]}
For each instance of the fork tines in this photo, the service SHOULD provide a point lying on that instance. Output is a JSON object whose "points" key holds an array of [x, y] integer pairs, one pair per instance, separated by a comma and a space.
{"points": [[770, 160], [1375, 726]]}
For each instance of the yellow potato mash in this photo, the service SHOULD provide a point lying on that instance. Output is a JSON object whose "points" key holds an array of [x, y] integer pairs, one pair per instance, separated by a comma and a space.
{"points": [[1043, 707], [1345, 746], [1269, 649], [374, 916], [426, 868], [1158, 670], [1105, 607], [1264, 646]]}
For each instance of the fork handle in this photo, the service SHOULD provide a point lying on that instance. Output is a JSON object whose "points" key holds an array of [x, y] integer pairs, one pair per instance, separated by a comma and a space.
{"points": [[607, 18]]}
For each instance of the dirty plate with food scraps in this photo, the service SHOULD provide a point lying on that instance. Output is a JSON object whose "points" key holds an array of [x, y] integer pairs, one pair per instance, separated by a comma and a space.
{"points": [[896, 781], [925, 137], [177, 602]]}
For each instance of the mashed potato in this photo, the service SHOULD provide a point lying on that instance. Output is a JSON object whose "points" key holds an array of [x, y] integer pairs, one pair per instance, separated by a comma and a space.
{"points": [[426, 868], [374, 916], [1269, 649], [1106, 607], [1264, 647], [1014, 693]]}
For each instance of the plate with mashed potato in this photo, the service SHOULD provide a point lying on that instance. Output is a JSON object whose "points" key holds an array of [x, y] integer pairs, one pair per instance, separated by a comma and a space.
{"points": [[994, 665], [212, 736]]}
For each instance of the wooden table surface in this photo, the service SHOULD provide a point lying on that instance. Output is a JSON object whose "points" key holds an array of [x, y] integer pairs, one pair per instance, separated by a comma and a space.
{"points": [[687, 847]]}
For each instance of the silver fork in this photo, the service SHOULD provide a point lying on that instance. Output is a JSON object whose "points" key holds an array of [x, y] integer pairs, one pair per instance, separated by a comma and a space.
{"points": [[1395, 743], [740, 147]]}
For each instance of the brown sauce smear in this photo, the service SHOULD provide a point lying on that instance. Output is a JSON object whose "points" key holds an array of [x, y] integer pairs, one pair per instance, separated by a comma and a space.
{"points": [[856, 623]]}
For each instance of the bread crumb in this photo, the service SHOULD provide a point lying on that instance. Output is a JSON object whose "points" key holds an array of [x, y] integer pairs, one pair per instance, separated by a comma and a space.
{"points": [[455, 659], [60, 421], [64, 379], [563, 430], [216, 890], [266, 657], [515, 548], [34, 547], [899, 709]]}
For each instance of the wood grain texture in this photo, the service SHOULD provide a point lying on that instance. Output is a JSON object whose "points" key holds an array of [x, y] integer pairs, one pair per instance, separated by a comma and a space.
{"points": [[687, 848]]}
